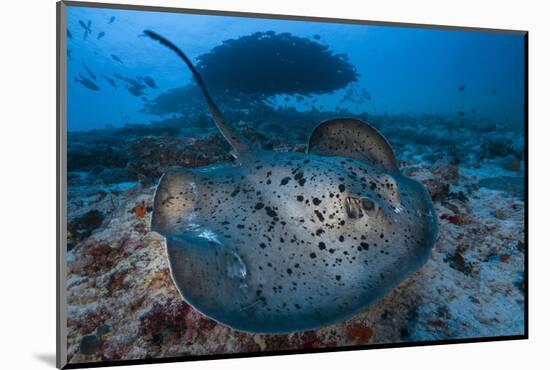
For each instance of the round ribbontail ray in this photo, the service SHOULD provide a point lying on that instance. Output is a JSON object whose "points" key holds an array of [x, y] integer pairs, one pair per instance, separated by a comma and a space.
{"points": [[282, 242]]}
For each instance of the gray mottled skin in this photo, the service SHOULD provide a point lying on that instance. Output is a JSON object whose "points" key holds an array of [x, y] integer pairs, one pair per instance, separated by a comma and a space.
{"points": [[283, 242]]}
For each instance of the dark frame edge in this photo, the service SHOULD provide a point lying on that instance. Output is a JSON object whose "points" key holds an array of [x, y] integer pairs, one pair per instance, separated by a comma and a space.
{"points": [[61, 171], [526, 179], [58, 363]]}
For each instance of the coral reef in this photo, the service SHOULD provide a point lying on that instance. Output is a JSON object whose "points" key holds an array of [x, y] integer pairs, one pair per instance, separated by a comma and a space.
{"points": [[122, 303]]}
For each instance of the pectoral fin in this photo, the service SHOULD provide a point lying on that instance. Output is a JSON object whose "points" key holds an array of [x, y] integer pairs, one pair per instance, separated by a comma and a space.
{"points": [[353, 138], [209, 275]]}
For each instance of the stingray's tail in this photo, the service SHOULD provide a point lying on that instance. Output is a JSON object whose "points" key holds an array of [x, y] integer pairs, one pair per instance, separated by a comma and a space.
{"points": [[236, 142]]}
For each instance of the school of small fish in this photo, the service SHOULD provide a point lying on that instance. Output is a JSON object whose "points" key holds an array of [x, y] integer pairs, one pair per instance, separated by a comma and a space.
{"points": [[136, 86]]}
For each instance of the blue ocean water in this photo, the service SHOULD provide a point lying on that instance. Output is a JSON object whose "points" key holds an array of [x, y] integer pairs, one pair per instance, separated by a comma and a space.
{"points": [[402, 70]]}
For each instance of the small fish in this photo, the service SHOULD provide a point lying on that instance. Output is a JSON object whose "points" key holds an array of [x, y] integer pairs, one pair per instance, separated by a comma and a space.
{"points": [[150, 82], [90, 73], [109, 80], [473, 110], [112, 19], [116, 58], [461, 113], [136, 84], [134, 91], [69, 34], [317, 37], [87, 83], [494, 92], [87, 28], [461, 88], [119, 76], [100, 35]]}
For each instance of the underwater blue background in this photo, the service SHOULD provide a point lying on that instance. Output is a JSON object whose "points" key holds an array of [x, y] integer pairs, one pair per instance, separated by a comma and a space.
{"points": [[405, 70]]}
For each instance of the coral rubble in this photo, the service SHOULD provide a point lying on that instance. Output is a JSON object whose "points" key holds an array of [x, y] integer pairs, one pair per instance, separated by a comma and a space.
{"points": [[122, 303]]}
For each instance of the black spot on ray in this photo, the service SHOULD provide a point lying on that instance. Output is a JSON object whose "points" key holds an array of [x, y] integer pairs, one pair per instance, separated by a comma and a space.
{"points": [[270, 212], [320, 216]]}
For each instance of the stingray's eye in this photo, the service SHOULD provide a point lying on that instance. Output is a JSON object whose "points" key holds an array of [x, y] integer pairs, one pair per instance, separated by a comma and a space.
{"points": [[357, 207], [353, 207], [368, 204]]}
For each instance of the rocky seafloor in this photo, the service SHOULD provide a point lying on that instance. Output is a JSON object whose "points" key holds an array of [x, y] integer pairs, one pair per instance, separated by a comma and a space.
{"points": [[123, 305]]}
